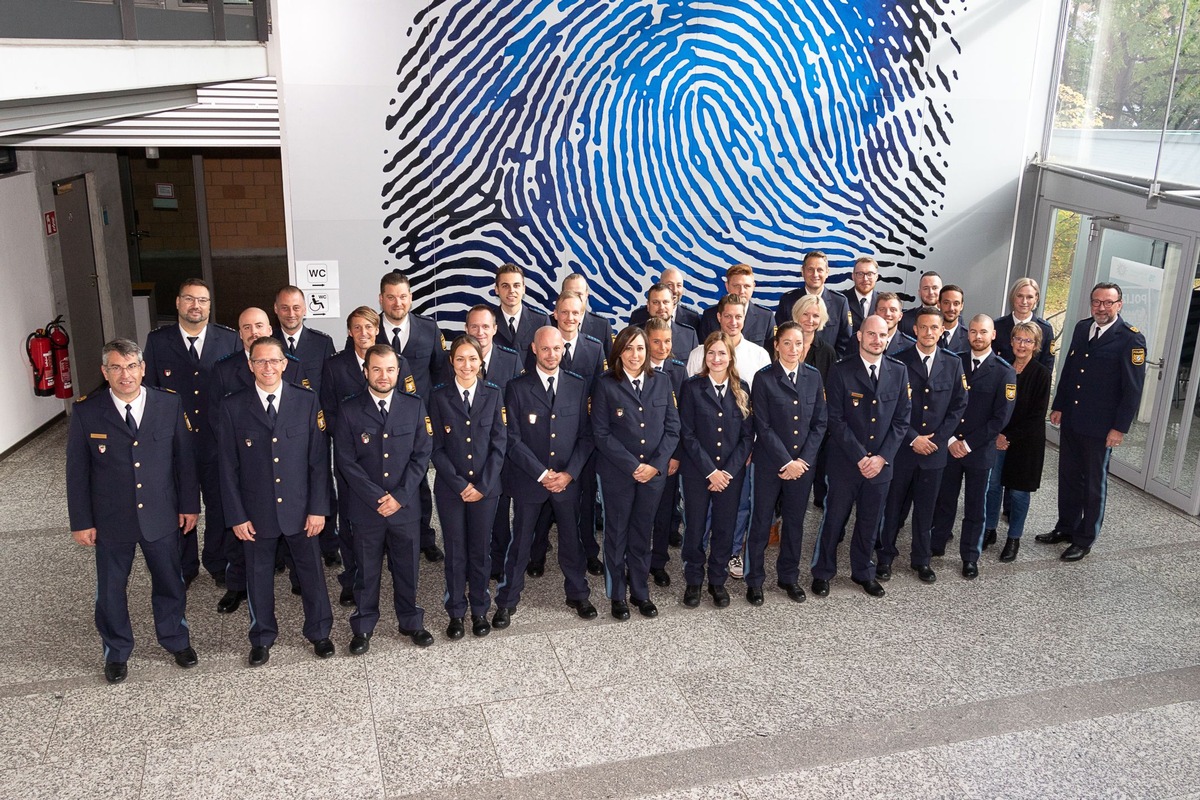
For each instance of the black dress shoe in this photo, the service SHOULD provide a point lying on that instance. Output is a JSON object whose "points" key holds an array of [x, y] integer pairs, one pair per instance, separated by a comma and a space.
{"points": [[230, 602], [259, 655], [872, 588], [502, 617], [115, 671], [360, 643], [421, 638], [583, 608], [989, 538], [661, 578], [925, 573], [186, 658], [595, 566], [675, 539], [937, 552], [620, 610], [818, 502], [970, 570], [332, 560], [794, 592], [296, 590], [1011, 548], [691, 595], [720, 596], [820, 587], [433, 554], [455, 629], [754, 595], [646, 608], [883, 572], [480, 626], [324, 648], [346, 598], [536, 569], [1053, 537], [1075, 553]]}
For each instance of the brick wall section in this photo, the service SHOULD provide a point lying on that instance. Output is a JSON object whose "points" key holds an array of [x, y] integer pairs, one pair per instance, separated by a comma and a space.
{"points": [[170, 230], [245, 204]]}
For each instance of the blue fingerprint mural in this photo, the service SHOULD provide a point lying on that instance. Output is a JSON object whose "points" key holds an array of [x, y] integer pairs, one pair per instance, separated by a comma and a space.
{"points": [[615, 138]]}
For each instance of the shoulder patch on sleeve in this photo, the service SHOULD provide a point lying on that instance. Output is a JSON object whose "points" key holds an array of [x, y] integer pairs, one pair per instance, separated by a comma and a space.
{"points": [[1010, 392], [321, 419], [410, 384], [187, 421], [1138, 356], [504, 415], [429, 426]]}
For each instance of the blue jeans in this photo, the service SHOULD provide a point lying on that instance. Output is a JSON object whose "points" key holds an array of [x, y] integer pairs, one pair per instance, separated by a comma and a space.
{"points": [[1018, 502]]}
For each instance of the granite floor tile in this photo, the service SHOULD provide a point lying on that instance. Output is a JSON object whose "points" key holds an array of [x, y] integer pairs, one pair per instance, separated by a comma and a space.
{"points": [[456, 751], [718, 791], [593, 726], [903, 775], [404, 679], [89, 777], [25, 729], [277, 697], [1156, 752], [647, 649], [309, 762]]}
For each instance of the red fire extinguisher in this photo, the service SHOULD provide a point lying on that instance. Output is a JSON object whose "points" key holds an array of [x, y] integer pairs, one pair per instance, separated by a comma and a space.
{"points": [[40, 349], [61, 357]]}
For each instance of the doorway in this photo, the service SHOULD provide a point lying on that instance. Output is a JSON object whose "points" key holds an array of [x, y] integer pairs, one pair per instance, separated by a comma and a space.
{"points": [[1088, 233]]}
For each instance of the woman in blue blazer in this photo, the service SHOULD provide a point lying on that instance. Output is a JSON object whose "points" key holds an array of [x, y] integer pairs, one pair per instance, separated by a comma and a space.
{"points": [[716, 432], [469, 437], [636, 427]]}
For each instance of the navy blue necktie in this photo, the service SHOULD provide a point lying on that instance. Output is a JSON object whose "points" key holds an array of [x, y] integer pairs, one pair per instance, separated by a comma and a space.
{"points": [[129, 420], [272, 412]]}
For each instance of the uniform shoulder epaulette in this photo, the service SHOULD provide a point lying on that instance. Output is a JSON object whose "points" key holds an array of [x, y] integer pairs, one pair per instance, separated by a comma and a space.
{"points": [[691, 378], [439, 386], [767, 368], [906, 336], [1132, 328], [302, 387], [351, 396], [810, 366], [495, 386], [677, 362], [505, 348], [318, 332], [80, 399], [591, 338], [154, 388], [691, 328], [219, 326], [895, 360], [291, 357], [572, 374], [1001, 360], [228, 356], [415, 315]]}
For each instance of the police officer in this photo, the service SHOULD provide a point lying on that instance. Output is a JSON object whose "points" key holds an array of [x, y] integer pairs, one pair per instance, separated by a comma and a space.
{"points": [[862, 297], [887, 306], [668, 517], [418, 339], [469, 438], [131, 482], [582, 355], [382, 443], [343, 378], [1095, 403], [868, 402], [927, 297], [759, 325], [836, 333], [716, 433], [181, 358], [672, 279], [1023, 300], [660, 304], [518, 322], [274, 455], [593, 324], [549, 444], [636, 428], [992, 390], [790, 417], [954, 332], [939, 399], [231, 374], [313, 348]]}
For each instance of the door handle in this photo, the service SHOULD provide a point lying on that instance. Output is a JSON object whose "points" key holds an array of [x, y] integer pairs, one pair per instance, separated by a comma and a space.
{"points": [[1156, 364]]}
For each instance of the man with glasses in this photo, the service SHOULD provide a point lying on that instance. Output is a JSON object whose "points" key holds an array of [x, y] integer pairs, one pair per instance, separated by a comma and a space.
{"points": [[274, 457], [861, 297], [131, 482], [1097, 398], [181, 358]]}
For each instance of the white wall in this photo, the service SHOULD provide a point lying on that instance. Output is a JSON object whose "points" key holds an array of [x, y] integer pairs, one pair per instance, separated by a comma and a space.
{"points": [[25, 305]]}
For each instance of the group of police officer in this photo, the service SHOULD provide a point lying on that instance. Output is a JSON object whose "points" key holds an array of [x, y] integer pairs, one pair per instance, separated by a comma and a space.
{"points": [[718, 408]]}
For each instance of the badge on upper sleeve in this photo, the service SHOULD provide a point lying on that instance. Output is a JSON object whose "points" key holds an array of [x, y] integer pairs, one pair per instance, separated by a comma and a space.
{"points": [[321, 419], [910, 391], [964, 377], [1010, 391], [187, 421], [503, 415], [366, 438], [673, 400], [620, 412], [855, 399], [1138, 356], [410, 385], [589, 406], [429, 426]]}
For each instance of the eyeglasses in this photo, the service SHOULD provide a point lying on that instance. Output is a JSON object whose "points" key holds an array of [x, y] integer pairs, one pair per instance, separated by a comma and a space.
{"points": [[1022, 341], [865, 274], [264, 362], [120, 369], [1104, 303], [191, 299]]}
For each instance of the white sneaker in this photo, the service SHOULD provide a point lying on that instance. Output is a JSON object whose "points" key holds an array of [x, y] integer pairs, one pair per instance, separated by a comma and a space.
{"points": [[735, 567]]}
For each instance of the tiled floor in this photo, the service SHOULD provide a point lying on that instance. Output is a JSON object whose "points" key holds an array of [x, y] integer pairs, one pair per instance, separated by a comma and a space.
{"points": [[1040, 679]]}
